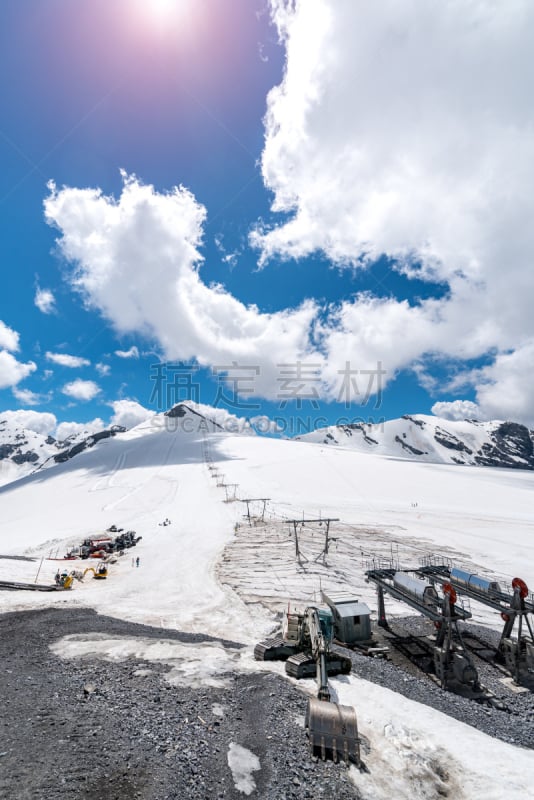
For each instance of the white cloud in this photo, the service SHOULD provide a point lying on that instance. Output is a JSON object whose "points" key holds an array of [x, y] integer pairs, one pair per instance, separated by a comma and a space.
{"points": [[402, 131], [133, 352], [505, 388], [129, 413], [81, 390], [13, 371], [37, 421], [118, 245], [367, 340], [230, 422], [103, 369], [45, 301], [230, 258], [66, 429], [65, 360], [137, 261], [30, 398], [457, 409], [9, 339], [408, 131]]}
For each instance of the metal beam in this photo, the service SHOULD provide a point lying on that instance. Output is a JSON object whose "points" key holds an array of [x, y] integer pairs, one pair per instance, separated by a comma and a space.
{"points": [[379, 578]]}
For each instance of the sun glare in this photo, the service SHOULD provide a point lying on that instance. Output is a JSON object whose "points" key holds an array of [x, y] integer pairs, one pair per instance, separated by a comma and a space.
{"points": [[164, 14], [161, 7]]}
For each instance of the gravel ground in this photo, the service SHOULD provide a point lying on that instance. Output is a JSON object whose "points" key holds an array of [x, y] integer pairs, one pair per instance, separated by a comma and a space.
{"points": [[137, 736]]}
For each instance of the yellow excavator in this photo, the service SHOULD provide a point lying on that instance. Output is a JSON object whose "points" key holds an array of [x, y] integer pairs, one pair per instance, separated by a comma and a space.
{"points": [[99, 573], [305, 647]]}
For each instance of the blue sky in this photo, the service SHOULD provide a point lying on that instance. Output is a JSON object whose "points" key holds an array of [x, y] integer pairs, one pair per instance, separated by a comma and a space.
{"points": [[372, 222]]}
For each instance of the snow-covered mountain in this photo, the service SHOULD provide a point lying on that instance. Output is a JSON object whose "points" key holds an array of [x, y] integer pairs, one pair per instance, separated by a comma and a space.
{"points": [[427, 438], [417, 437], [23, 451]]}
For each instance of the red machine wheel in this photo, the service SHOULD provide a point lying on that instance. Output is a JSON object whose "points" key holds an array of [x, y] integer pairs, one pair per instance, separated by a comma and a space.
{"points": [[451, 591], [517, 583]]}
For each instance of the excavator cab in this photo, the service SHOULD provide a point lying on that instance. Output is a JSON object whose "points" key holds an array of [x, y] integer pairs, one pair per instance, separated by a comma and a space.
{"points": [[326, 624], [101, 571]]}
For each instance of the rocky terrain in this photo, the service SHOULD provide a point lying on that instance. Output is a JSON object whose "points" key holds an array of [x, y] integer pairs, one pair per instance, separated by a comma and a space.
{"points": [[98, 730]]}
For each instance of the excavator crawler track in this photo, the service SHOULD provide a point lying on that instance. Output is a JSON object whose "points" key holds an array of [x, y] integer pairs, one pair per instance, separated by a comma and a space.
{"points": [[302, 665], [276, 649]]}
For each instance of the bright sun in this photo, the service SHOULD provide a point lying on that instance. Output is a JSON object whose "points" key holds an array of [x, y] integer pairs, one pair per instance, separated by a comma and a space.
{"points": [[163, 9], [164, 20]]}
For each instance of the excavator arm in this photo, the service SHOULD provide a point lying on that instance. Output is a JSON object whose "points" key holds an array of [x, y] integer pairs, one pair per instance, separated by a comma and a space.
{"points": [[320, 646], [332, 728]]}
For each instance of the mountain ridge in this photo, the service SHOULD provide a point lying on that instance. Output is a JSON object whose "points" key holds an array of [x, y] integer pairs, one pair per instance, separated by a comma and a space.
{"points": [[24, 451], [422, 437], [416, 437]]}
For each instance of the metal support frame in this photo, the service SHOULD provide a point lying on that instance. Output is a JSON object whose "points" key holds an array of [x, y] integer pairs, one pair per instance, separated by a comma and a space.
{"points": [[514, 654], [382, 621], [249, 500], [446, 617], [226, 487], [328, 539], [512, 607]]}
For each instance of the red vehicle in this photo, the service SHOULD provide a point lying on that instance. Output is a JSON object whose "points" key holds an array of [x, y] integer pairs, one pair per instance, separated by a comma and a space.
{"points": [[96, 547]]}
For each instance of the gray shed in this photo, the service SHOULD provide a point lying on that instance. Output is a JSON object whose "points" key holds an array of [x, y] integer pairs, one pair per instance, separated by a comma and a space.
{"points": [[352, 618]]}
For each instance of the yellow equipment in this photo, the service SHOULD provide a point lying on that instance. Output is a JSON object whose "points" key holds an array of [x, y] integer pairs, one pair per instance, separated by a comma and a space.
{"points": [[99, 573]]}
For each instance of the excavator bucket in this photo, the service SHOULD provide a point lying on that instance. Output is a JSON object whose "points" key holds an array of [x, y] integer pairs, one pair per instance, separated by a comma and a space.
{"points": [[333, 731]]}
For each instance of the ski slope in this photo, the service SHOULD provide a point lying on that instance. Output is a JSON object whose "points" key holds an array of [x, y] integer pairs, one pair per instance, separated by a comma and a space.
{"points": [[485, 513], [483, 516], [135, 482]]}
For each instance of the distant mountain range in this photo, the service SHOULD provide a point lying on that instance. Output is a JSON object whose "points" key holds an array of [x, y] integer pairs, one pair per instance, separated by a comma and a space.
{"points": [[416, 438], [427, 438], [23, 451]]}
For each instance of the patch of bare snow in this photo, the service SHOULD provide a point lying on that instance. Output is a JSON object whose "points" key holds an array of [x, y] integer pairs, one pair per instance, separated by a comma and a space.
{"points": [[243, 763]]}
